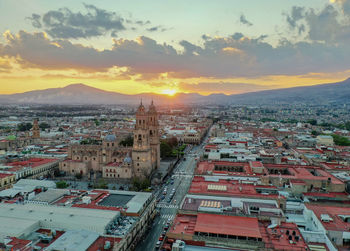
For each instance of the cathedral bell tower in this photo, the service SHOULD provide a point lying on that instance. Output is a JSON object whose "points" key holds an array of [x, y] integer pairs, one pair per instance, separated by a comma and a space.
{"points": [[154, 135], [36, 130], [141, 153]]}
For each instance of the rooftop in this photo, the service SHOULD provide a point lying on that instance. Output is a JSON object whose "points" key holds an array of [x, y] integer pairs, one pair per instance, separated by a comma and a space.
{"points": [[228, 225], [338, 217]]}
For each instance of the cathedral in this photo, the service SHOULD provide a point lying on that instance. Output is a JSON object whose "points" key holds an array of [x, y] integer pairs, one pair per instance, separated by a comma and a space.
{"points": [[113, 160], [146, 148]]}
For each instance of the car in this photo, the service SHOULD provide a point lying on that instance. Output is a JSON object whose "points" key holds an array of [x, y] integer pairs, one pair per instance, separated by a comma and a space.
{"points": [[161, 237], [163, 197], [169, 200], [166, 227], [158, 244], [172, 182]]}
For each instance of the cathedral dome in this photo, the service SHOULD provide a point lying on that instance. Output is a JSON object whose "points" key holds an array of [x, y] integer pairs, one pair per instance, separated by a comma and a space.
{"points": [[127, 160], [152, 108], [110, 137], [141, 109]]}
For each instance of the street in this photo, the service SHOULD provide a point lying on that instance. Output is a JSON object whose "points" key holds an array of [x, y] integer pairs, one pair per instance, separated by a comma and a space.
{"points": [[167, 207]]}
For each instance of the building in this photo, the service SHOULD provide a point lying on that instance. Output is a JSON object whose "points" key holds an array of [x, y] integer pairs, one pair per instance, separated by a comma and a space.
{"points": [[36, 130], [325, 140], [6, 180], [146, 148], [90, 158]]}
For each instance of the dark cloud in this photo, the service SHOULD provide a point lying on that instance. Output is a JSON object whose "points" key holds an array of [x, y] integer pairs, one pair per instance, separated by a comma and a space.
{"points": [[35, 19], [142, 23], [156, 28], [64, 23], [222, 87], [326, 25], [218, 57], [243, 20]]}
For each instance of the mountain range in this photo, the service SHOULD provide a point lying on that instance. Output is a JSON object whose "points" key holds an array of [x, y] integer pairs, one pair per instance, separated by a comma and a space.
{"points": [[82, 94]]}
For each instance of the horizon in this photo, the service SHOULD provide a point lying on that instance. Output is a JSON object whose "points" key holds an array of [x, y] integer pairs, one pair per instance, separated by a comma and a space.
{"points": [[170, 95], [124, 47]]}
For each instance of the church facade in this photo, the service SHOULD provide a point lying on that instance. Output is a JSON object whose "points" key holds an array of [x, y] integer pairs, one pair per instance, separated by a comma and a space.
{"points": [[115, 161], [146, 148]]}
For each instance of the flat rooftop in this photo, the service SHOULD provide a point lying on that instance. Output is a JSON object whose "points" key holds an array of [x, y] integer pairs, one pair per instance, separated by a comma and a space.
{"points": [[116, 200]]}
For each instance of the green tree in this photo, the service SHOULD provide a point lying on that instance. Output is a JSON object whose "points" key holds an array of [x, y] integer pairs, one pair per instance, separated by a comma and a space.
{"points": [[128, 141], [165, 149], [44, 126], [315, 133], [24, 127], [340, 140], [312, 121], [61, 184]]}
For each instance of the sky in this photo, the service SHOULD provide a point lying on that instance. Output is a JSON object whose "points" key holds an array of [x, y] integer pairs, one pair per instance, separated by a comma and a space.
{"points": [[168, 46]]}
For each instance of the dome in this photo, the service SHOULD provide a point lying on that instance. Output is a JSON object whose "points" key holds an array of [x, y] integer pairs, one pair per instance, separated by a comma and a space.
{"points": [[127, 159], [141, 109], [110, 137], [152, 108]]}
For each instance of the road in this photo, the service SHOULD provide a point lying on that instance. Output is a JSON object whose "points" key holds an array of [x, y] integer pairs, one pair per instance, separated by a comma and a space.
{"points": [[182, 176]]}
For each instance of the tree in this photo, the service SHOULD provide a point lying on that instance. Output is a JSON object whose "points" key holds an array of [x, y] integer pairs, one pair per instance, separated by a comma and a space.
{"points": [[79, 176], [61, 184], [172, 142], [165, 149], [44, 126], [140, 184], [340, 140], [315, 133], [24, 127], [312, 121], [128, 141]]}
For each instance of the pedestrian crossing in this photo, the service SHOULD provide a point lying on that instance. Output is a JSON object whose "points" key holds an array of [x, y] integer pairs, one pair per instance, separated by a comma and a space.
{"points": [[181, 175], [168, 216], [165, 205]]}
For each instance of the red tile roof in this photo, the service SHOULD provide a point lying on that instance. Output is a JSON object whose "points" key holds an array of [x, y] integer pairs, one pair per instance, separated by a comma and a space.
{"points": [[338, 224], [34, 162], [228, 225]]}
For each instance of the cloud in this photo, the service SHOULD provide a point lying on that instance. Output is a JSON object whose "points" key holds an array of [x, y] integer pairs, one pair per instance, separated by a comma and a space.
{"points": [[344, 4], [66, 24], [243, 20], [218, 57], [35, 19], [221, 87], [157, 28], [327, 25]]}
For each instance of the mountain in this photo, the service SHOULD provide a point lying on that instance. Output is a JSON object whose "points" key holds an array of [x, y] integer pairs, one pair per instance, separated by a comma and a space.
{"points": [[83, 94], [317, 94]]}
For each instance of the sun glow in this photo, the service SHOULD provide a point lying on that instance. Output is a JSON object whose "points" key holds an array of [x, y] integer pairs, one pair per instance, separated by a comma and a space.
{"points": [[170, 92]]}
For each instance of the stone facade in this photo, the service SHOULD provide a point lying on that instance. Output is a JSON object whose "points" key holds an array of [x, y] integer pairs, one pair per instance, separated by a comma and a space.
{"points": [[146, 149], [85, 158], [36, 130], [112, 159]]}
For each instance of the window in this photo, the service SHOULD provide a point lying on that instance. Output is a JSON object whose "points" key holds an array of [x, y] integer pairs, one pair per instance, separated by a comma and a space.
{"points": [[107, 144]]}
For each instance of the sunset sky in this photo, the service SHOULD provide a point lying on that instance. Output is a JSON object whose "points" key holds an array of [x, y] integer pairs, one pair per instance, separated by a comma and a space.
{"points": [[204, 46]]}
